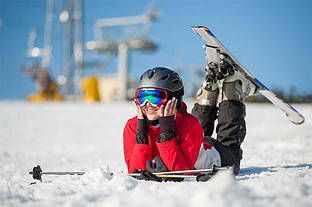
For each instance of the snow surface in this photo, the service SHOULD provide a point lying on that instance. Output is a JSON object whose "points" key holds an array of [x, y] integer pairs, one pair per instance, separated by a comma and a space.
{"points": [[276, 169]]}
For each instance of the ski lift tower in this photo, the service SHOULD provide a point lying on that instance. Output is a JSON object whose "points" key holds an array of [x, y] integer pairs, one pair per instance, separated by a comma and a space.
{"points": [[45, 52], [121, 46], [72, 19]]}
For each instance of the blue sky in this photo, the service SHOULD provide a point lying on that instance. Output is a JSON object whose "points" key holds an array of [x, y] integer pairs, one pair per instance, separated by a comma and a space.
{"points": [[272, 38]]}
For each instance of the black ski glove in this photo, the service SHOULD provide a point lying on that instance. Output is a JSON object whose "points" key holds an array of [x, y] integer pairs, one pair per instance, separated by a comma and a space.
{"points": [[157, 165], [166, 124], [141, 133], [145, 175]]}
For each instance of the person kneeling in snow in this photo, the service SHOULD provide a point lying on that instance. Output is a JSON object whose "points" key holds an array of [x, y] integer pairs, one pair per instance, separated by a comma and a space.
{"points": [[165, 137]]}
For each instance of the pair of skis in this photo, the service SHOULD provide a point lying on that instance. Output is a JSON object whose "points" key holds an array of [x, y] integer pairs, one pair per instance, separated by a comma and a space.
{"points": [[215, 51], [37, 173]]}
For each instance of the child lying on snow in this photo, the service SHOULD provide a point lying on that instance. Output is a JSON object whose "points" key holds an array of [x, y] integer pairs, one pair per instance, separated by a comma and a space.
{"points": [[165, 137]]}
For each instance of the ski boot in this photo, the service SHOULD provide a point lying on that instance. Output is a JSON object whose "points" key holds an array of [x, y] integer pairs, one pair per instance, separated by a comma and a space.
{"points": [[207, 94], [235, 85]]}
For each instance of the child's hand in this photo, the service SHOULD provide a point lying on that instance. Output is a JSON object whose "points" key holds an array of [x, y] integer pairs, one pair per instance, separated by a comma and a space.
{"points": [[139, 111], [170, 109], [167, 120]]}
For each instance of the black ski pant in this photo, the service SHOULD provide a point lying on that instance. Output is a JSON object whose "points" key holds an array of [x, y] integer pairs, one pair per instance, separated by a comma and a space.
{"points": [[231, 128]]}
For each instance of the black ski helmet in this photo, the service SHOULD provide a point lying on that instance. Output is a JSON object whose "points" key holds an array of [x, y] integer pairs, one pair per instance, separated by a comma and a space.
{"points": [[163, 78]]}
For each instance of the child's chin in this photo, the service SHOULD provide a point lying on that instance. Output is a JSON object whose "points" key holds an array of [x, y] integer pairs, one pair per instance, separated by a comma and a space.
{"points": [[152, 118]]}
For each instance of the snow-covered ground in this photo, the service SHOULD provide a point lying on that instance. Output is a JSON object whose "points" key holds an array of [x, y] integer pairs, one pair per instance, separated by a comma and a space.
{"points": [[276, 169]]}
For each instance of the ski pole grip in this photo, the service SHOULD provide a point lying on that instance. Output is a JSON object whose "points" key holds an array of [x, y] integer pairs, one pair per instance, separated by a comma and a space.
{"points": [[36, 173]]}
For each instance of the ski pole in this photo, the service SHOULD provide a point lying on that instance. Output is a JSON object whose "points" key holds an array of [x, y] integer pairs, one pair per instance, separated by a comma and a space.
{"points": [[37, 173]]}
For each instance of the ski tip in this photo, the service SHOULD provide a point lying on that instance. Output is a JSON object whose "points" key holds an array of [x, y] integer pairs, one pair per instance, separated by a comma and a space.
{"points": [[201, 27], [298, 119], [206, 29], [295, 117]]}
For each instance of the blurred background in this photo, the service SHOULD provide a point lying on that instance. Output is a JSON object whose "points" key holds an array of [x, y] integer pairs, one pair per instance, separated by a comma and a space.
{"points": [[91, 50]]}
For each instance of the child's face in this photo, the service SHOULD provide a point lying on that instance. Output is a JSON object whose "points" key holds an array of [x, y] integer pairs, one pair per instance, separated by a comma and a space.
{"points": [[150, 111]]}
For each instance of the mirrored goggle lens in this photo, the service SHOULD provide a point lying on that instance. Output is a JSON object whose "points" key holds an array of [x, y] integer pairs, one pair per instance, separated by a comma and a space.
{"points": [[155, 97]]}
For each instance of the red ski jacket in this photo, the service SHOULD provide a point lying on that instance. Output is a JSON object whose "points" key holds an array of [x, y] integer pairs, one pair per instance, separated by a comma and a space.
{"points": [[179, 153]]}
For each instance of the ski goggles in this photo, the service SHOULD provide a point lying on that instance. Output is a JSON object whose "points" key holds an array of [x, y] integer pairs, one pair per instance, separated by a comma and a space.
{"points": [[154, 96]]}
